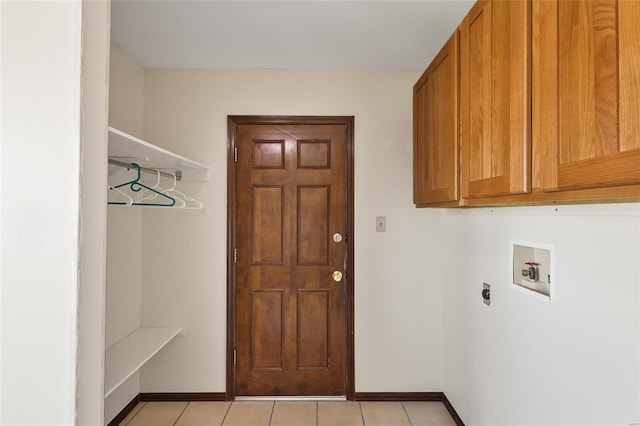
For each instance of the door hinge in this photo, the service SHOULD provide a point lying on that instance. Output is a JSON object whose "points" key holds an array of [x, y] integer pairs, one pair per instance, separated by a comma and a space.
{"points": [[235, 352], [235, 255], [235, 154]]}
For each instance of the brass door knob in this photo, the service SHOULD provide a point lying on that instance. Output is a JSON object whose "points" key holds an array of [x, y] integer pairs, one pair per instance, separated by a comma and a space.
{"points": [[337, 276]]}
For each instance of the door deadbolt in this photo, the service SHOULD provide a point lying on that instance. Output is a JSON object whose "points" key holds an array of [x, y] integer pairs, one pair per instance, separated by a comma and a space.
{"points": [[337, 276], [337, 237]]}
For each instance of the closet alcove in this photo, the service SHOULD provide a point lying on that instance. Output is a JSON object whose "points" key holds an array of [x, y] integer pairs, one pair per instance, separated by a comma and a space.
{"points": [[141, 176]]}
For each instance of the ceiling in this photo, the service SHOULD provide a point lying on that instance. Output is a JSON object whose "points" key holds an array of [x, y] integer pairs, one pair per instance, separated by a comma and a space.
{"points": [[362, 35]]}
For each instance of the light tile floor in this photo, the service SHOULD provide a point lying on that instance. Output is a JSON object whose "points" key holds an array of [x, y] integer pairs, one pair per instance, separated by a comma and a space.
{"points": [[289, 413]]}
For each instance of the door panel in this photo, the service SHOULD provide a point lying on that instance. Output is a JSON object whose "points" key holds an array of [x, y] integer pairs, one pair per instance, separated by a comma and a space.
{"points": [[479, 90], [495, 99], [588, 90], [267, 155], [290, 319], [628, 22], [314, 307], [313, 225], [267, 333], [267, 216], [435, 139]]}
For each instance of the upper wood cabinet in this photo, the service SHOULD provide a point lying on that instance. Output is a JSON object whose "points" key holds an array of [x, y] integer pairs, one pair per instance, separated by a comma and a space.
{"points": [[548, 100], [495, 99], [586, 94], [435, 129]]}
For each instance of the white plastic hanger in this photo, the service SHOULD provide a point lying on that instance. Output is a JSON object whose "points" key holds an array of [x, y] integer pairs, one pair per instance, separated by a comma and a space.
{"points": [[150, 194], [186, 201], [129, 201]]}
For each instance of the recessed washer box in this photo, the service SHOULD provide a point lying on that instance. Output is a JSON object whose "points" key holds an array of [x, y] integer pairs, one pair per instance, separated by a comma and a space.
{"points": [[532, 269]]}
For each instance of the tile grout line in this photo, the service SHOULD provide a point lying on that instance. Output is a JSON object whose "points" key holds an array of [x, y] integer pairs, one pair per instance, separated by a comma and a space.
{"points": [[273, 408], [406, 413], [226, 413], [181, 413], [317, 413], [361, 413]]}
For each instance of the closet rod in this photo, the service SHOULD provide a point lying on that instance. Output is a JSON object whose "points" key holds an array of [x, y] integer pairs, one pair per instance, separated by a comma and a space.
{"points": [[178, 174]]}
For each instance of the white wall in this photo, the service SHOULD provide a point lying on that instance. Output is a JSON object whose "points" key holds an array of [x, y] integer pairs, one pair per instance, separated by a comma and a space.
{"points": [[398, 279], [124, 226], [41, 70], [523, 361], [93, 211], [126, 93], [1, 133], [126, 96]]}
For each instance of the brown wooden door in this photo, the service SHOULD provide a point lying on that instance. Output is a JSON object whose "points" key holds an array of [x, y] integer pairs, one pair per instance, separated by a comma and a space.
{"points": [[587, 93], [291, 225], [435, 131], [495, 99]]}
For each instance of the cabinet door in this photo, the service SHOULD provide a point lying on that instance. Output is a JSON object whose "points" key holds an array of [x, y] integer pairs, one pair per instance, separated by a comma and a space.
{"points": [[435, 132], [495, 89], [587, 93]]}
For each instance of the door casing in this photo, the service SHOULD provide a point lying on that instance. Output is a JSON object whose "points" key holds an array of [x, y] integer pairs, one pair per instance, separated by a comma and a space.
{"points": [[232, 122]]}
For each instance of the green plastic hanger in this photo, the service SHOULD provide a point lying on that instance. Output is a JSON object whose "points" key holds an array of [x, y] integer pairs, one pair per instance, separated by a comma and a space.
{"points": [[136, 186]]}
